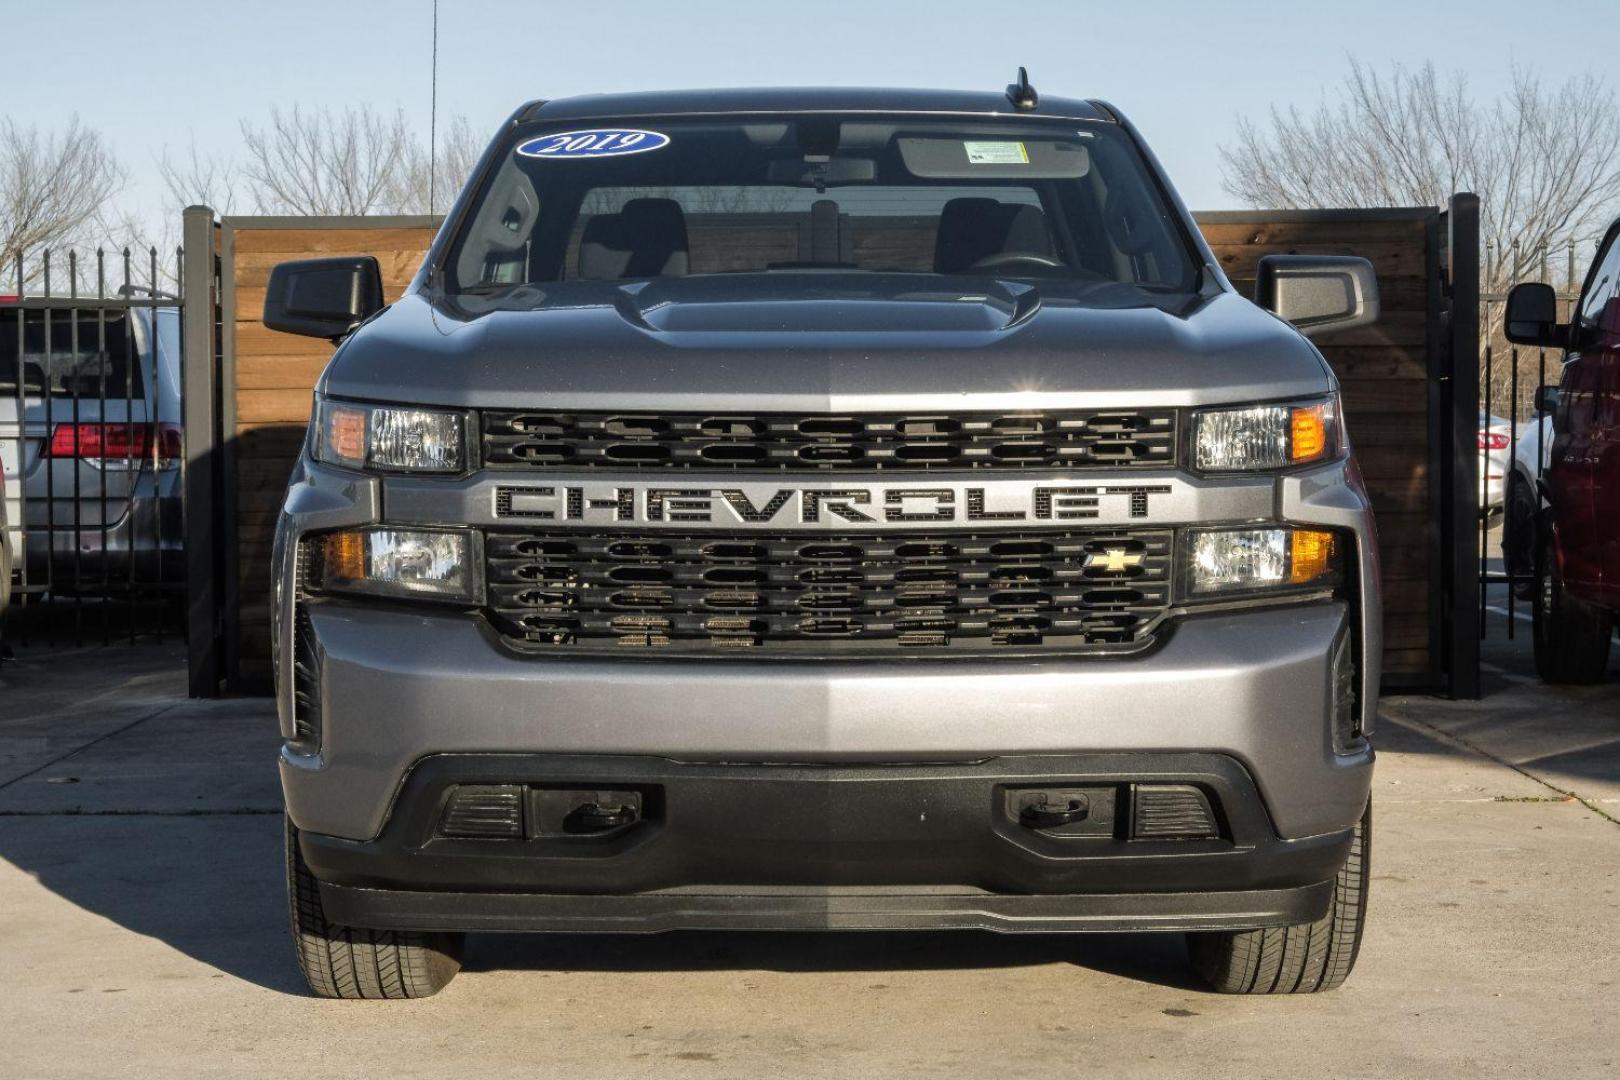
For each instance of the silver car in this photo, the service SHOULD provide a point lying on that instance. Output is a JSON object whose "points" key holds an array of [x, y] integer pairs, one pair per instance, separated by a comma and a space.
{"points": [[90, 448]]}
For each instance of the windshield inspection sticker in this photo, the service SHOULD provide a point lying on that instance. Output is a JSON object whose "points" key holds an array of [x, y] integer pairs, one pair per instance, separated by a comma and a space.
{"points": [[996, 153], [602, 142]]}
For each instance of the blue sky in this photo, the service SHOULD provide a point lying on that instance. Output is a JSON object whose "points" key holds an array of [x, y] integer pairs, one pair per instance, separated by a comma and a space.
{"points": [[158, 73]]}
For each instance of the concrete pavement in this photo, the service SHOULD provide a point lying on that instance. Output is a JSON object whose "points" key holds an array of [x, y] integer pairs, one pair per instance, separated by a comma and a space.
{"points": [[143, 930]]}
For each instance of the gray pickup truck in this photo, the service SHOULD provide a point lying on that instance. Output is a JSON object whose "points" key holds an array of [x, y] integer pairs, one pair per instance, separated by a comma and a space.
{"points": [[825, 509]]}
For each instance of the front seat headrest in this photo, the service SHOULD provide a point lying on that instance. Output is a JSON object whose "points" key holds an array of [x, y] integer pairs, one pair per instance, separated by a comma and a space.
{"points": [[647, 238], [974, 228]]}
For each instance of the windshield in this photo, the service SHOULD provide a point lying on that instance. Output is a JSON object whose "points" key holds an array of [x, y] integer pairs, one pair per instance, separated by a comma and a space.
{"points": [[1068, 200]]}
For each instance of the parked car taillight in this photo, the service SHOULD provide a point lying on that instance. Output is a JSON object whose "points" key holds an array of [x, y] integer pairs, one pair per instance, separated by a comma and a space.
{"points": [[108, 442], [1492, 440]]}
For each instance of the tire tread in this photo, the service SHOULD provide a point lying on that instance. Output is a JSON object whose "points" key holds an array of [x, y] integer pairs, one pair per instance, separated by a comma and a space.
{"points": [[352, 962], [1305, 958], [1572, 638]]}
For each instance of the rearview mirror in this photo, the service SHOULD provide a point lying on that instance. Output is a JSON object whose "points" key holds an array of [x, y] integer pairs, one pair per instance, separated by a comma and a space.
{"points": [[1532, 316], [1319, 294], [820, 174], [323, 298]]}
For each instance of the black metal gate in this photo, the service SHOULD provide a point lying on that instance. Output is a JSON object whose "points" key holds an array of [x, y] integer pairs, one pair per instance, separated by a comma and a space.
{"points": [[91, 446]]}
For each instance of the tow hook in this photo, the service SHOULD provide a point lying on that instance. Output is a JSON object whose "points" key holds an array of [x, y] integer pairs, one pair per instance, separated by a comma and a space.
{"points": [[1049, 809], [600, 817]]}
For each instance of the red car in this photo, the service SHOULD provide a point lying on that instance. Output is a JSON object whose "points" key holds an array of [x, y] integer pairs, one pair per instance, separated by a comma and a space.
{"points": [[1577, 552]]}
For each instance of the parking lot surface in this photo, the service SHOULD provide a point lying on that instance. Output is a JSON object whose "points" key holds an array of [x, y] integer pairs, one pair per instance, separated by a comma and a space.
{"points": [[144, 928]]}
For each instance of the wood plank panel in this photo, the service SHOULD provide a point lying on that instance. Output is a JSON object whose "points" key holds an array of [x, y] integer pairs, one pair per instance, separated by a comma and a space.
{"points": [[315, 242], [1369, 231], [279, 372], [397, 267], [265, 406]]}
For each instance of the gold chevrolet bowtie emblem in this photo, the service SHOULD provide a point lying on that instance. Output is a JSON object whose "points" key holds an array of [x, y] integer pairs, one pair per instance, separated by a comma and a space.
{"points": [[1114, 560]]}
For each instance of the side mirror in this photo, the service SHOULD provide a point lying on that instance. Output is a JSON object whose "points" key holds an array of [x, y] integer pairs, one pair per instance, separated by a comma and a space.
{"points": [[1532, 316], [1319, 294], [1546, 400], [323, 298]]}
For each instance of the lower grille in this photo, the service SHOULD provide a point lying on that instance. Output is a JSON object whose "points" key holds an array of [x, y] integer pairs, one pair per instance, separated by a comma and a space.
{"points": [[827, 594]]}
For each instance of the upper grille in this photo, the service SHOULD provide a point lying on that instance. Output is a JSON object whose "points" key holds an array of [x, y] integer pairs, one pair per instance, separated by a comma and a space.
{"points": [[1067, 439], [829, 594]]}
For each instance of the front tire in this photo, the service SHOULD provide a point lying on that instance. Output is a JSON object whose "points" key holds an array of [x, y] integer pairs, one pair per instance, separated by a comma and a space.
{"points": [[1519, 527], [1571, 637], [353, 962], [1305, 958]]}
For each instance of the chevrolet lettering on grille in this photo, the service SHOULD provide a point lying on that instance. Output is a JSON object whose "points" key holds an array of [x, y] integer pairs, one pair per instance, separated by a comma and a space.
{"points": [[769, 506]]}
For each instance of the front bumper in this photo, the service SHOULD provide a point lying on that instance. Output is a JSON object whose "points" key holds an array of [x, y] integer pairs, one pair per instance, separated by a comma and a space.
{"points": [[399, 686], [829, 847]]}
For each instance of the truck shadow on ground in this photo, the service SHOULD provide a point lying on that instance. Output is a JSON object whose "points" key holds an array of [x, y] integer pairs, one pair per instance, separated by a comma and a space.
{"points": [[207, 886]]}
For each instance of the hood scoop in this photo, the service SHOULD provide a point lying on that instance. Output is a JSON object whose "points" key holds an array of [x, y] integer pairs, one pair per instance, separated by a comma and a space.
{"points": [[808, 305]]}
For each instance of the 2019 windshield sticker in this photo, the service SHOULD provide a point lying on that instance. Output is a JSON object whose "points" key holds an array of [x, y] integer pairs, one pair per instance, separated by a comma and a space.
{"points": [[598, 142]]}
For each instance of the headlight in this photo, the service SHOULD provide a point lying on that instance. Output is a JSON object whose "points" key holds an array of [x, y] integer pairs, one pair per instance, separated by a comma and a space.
{"points": [[389, 437], [1243, 560], [428, 564], [1266, 436]]}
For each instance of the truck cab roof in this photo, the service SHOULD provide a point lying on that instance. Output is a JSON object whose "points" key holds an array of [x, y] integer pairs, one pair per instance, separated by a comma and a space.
{"points": [[819, 99]]}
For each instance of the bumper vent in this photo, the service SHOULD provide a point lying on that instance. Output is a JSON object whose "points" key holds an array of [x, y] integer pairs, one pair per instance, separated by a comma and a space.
{"points": [[484, 812], [1172, 812], [829, 594], [776, 442], [306, 681], [306, 689], [1347, 733]]}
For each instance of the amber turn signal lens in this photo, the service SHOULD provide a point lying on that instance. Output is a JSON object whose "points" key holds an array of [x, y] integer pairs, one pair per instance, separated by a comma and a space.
{"points": [[1308, 433], [1311, 556], [345, 435], [345, 557]]}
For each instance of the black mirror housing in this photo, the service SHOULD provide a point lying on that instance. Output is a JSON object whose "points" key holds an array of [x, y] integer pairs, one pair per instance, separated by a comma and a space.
{"points": [[1319, 294], [323, 298], [1532, 316], [1547, 399]]}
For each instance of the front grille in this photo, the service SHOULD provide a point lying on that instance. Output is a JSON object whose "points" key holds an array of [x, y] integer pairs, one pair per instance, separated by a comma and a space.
{"points": [[828, 594], [769, 442]]}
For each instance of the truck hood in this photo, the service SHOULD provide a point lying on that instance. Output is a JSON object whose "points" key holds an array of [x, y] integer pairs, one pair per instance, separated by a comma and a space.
{"points": [[825, 342]]}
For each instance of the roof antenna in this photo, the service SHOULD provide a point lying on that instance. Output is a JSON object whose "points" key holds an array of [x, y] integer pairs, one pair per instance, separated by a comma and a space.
{"points": [[1021, 94]]}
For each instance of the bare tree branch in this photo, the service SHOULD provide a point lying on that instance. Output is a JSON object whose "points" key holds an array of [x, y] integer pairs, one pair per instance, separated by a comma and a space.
{"points": [[51, 189], [320, 162], [199, 179], [454, 158], [1545, 162]]}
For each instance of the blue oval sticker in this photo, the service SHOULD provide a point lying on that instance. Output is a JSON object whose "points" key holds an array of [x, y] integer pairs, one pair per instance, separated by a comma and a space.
{"points": [[601, 142]]}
